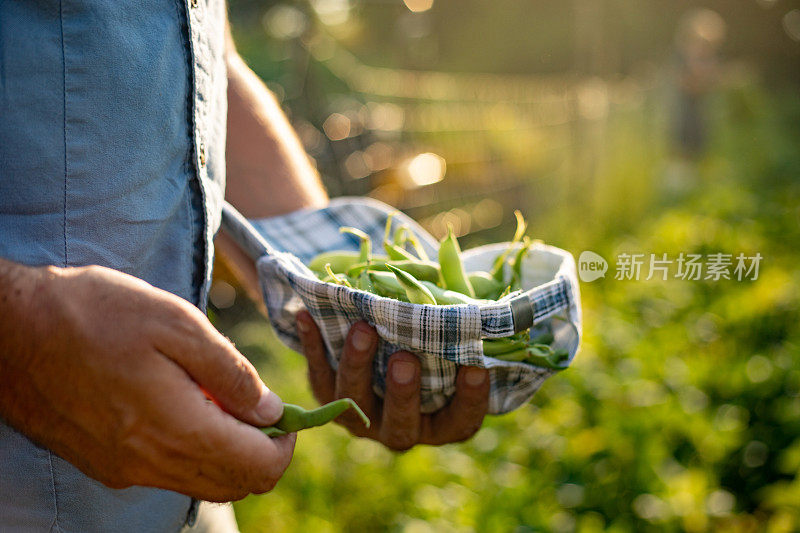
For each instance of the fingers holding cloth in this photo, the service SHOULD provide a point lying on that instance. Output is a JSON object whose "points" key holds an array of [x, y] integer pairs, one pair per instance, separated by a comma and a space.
{"points": [[396, 418]]}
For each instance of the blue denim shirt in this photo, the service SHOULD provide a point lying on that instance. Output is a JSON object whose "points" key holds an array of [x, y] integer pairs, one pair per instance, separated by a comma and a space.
{"points": [[112, 146]]}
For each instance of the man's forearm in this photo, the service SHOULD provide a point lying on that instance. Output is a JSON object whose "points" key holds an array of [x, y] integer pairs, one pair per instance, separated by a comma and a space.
{"points": [[268, 172]]}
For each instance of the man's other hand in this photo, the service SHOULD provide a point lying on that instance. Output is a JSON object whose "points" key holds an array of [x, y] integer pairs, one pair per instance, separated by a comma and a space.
{"points": [[118, 378], [396, 419]]}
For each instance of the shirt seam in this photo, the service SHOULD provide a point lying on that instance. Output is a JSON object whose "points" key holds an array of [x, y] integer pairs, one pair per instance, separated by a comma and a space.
{"points": [[55, 526]]}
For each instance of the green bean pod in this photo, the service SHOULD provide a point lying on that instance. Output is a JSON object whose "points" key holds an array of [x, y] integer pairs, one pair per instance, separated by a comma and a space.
{"points": [[365, 282], [400, 236], [446, 297], [499, 262], [418, 248], [387, 231], [453, 273], [516, 264], [366, 244], [416, 292], [412, 238], [484, 285], [397, 253], [296, 418], [339, 261], [518, 354], [537, 355], [386, 284], [505, 292], [546, 356], [422, 270], [335, 278], [498, 347], [375, 263]]}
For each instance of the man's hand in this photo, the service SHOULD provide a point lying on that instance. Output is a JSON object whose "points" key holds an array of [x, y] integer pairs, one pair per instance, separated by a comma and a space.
{"points": [[114, 376], [396, 420]]}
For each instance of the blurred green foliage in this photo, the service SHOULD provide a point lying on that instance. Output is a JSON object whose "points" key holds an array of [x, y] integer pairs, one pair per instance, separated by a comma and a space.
{"points": [[545, 36], [682, 410]]}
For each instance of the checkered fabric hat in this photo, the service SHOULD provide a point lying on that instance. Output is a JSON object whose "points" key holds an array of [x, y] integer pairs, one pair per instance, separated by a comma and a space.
{"points": [[444, 337]]}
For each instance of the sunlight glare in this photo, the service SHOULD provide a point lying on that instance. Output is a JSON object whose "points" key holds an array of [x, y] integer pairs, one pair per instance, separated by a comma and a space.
{"points": [[426, 169]]}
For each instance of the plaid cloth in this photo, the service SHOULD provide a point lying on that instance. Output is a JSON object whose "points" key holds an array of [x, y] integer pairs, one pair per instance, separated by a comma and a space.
{"points": [[444, 337]]}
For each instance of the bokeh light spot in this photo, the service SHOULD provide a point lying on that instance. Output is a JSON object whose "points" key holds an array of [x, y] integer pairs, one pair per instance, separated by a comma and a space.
{"points": [[758, 369], [222, 294], [285, 22], [332, 12], [570, 495], [356, 166], [379, 156], [720, 503], [418, 6], [385, 117], [488, 213], [336, 127], [791, 24], [426, 169], [650, 507]]}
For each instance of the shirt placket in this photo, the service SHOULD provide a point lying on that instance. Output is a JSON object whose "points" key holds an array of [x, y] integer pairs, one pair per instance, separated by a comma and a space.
{"points": [[197, 11]]}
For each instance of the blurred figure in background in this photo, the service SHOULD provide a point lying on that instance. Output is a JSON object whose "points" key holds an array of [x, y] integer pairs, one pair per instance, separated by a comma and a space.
{"points": [[697, 42]]}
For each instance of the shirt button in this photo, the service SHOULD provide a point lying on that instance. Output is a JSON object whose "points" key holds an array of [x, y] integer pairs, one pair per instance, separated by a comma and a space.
{"points": [[202, 155]]}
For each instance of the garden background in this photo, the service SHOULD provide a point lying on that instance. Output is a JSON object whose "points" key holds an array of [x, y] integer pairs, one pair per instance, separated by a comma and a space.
{"points": [[616, 126]]}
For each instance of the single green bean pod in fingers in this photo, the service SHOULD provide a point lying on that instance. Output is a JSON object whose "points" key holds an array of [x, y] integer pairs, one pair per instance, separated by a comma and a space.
{"points": [[296, 418]]}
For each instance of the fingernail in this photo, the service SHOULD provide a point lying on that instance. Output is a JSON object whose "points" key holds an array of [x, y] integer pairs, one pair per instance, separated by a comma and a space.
{"points": [[269, 408], [303, 326], [475, 377], [361, 339], [403, 372]]}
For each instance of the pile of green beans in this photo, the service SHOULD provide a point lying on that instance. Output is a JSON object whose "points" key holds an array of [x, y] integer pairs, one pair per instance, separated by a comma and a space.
{"points": [[412, 277], [296, 418]]}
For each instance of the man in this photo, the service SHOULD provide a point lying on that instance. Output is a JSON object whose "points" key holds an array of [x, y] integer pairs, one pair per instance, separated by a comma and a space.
{"points": [[112, 172]]}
